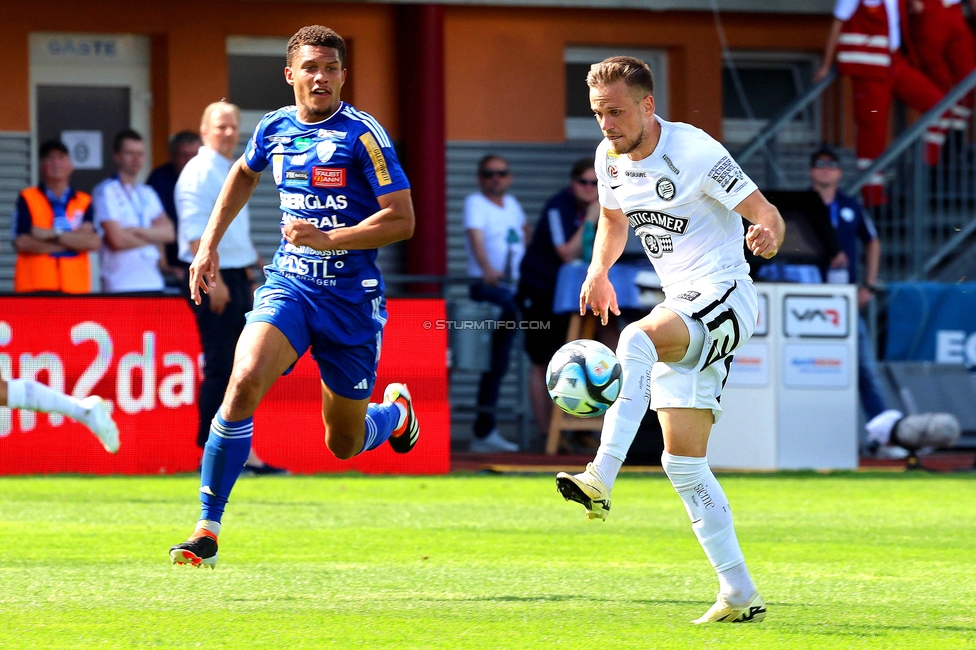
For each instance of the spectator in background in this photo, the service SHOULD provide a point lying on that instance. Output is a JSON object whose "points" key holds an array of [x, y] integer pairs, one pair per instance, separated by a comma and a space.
{"points": [[221, 313], [853, 225], [810, 246], [53, 229], [866, 37], [182, 147], [558, 238], [945, 48], [133, 222], [496, 233]]}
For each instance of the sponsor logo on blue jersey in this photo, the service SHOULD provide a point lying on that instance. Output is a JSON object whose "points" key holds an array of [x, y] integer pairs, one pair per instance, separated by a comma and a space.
{"points": [[329, 174], [296, 178]]}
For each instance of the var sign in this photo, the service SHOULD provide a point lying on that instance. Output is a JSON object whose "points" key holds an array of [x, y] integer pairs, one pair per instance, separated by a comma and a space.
{"points": [[816, 316]]}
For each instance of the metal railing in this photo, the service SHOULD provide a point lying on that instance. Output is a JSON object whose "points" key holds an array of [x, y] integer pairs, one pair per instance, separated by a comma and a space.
{"points": [[776, 156], [928, 225], [766, 137], [929, 218]]}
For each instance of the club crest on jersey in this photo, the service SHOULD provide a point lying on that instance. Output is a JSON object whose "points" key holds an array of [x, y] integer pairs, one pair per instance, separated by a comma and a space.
{"points": [[665, 188], [655, 245], [325, 149], [303, 143], [640, 218]]}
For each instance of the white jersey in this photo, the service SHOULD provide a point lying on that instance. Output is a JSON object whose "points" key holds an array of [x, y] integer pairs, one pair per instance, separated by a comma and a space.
{"points": [[680, 201]]}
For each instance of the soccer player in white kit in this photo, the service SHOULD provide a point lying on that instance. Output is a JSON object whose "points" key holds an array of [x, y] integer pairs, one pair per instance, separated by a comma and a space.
{"points": [[90, 411], [683, 194]]}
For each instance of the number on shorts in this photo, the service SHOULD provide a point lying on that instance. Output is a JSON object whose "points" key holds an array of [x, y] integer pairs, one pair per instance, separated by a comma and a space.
{"points": [[725, 336]]}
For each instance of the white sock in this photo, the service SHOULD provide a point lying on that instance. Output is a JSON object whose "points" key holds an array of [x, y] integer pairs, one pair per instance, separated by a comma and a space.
{"points": [[711, 519], [607, 467], [637, 356], [736, 585], [35, 396], [403, 415], [208, 525]]}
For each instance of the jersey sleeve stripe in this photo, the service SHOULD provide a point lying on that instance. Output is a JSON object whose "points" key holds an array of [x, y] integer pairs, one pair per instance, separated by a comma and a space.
{"points": [[377, 130], [374, 127]]}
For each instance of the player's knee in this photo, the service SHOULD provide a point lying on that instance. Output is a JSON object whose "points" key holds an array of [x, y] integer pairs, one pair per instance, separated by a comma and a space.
{"points": [[342, 446], [668, 333], [633, 340], [244, 390]]}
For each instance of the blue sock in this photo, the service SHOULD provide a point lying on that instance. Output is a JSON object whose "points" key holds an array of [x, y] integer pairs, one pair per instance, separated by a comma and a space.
{"points": [[223, 459], [381, 420]]}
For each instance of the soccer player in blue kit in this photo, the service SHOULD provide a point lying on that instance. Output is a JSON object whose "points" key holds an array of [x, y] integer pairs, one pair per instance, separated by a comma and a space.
{"points": [[343, 195]]}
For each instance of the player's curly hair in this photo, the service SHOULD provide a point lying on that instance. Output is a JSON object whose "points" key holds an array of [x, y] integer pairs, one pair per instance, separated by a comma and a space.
{"points": [[318, 36], [634, 72]]}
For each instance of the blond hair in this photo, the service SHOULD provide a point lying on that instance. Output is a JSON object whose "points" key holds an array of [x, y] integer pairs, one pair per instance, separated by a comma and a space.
{"points": [[218, 106], [632, 71]]}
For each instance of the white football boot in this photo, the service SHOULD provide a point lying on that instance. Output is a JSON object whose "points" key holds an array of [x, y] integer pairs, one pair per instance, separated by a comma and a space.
{"points": [[721, 612], [587, 489], [97, 419]]}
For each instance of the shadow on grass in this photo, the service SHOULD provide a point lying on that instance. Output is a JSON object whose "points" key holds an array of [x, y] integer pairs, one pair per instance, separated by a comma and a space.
{"points": [[548, 598]]}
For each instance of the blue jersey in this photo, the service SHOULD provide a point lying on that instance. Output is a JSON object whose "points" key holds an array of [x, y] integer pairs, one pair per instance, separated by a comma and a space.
{"points": [[329, 173], [852, 224]]}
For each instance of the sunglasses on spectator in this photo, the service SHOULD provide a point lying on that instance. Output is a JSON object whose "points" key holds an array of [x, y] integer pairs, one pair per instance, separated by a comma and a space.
{"points": [[827, 164], [494, 173], [586, 181]]}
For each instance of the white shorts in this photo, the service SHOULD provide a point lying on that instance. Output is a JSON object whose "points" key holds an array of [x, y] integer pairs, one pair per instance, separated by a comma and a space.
{"points": [[729, 312]]}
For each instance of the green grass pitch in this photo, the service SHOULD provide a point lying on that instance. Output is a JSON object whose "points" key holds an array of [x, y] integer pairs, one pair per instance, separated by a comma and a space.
{"points": [[874, 560]]}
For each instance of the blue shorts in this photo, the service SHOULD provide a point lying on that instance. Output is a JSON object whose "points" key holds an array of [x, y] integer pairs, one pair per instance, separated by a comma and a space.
{"points": [[345, 337]]}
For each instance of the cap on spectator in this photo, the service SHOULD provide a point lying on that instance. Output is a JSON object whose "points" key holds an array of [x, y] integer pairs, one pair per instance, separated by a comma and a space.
{"points": [[824, 152], [49, 146]]}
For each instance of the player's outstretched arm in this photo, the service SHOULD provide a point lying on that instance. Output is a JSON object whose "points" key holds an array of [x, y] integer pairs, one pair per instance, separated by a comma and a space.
{"points": [[611, 238], [766, 233], [393, 222], [237, 189], [830, 48]]}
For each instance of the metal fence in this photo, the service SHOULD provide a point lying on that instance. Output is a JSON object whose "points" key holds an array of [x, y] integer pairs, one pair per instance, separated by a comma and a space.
{"points": [[927, 226]]}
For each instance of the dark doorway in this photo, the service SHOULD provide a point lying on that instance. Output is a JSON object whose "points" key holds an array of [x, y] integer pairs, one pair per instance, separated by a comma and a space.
{"points": [[84, 108]]}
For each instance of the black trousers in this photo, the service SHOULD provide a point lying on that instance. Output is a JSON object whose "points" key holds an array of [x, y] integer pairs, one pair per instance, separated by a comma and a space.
{"points": [[501, 346], [218, 338]]}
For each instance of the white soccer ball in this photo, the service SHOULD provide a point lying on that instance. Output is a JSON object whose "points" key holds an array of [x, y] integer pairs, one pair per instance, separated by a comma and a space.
{"points": [[584, 378]]}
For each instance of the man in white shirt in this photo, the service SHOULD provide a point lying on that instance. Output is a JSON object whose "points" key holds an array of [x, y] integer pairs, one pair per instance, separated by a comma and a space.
{"points": [[496, 234], [133, 222], [683, 194], [221, 314]]}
